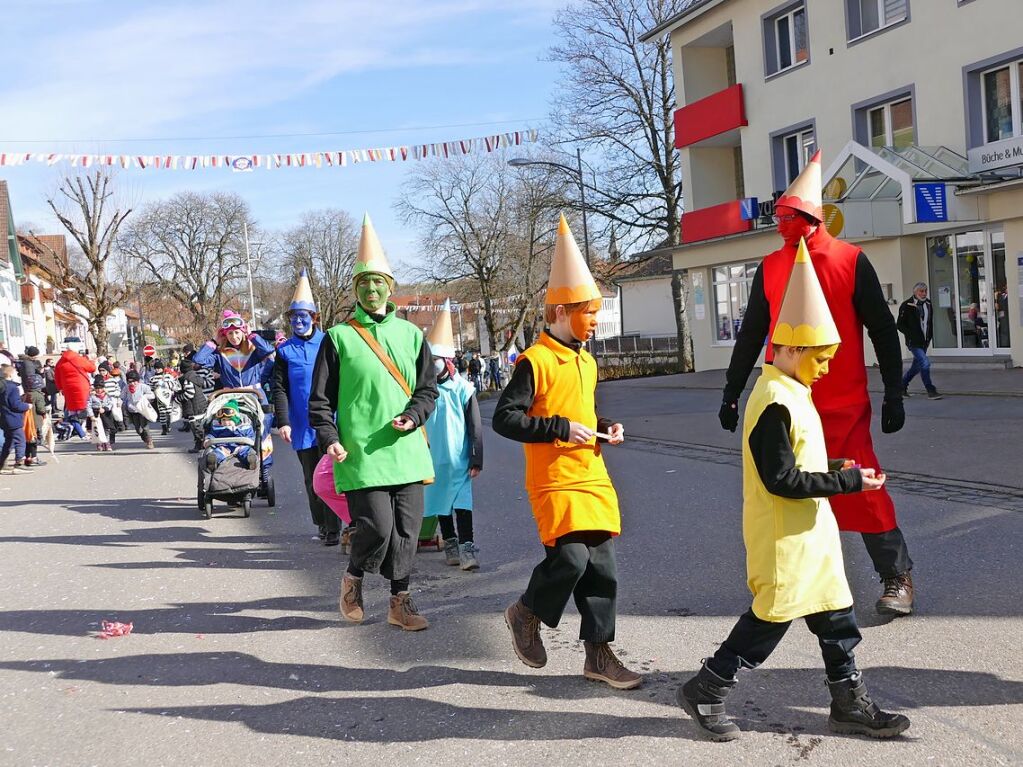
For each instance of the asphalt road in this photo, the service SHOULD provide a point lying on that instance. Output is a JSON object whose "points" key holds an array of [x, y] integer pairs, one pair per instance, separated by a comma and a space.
{"points": [[238, 655]]}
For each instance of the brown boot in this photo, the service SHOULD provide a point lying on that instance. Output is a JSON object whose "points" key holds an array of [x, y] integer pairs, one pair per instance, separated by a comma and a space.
{"points": [[150, 445], [351, 598], [898, 595], [403, 613], [603, 666], [525, 631], [346, 540]]}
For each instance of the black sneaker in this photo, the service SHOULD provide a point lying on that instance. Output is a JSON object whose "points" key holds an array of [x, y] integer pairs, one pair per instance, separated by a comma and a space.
{"points": [[906, 394], [934, 394]]}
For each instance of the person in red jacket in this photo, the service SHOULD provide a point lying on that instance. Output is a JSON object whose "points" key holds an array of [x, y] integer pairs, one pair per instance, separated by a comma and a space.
{"points": [[856, 300], [73, 376]]}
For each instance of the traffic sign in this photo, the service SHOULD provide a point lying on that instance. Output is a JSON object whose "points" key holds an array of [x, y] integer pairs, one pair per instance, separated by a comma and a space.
{"points": [[149, 350]]}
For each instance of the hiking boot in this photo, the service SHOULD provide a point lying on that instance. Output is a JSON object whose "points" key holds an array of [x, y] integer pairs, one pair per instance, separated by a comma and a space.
{"points": [[854, 713], [321, 532], [897, 598], [602, 665], [934, 394], [351, 598], [331, 538], [703, 698], [150, 445], [467, 556], [451, 551], [211, 460], [252, 460], [402, 612], [346, 539], [525, 631]]}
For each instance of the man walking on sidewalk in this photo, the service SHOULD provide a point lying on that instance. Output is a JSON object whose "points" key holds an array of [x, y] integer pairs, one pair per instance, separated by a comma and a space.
{"points": [[916, 323]]}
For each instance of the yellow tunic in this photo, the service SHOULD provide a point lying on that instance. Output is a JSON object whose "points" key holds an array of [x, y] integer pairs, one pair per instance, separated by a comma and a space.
{"points": [[793, 553], [568, 484]]}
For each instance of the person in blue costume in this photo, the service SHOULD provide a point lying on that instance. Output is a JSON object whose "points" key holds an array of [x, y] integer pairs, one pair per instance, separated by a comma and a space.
{"points": [[291, 382], [456, 446], [237, 356]]}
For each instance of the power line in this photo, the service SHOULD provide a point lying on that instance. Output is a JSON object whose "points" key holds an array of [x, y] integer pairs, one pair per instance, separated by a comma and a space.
{"points": [[266, 135]]}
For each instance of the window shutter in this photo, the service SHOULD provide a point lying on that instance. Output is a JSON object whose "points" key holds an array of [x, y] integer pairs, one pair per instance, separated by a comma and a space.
{"points": [[894, 10]]}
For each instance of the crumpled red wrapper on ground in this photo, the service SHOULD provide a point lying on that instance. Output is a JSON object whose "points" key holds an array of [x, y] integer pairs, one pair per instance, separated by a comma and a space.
{"points": [[111, 629]]}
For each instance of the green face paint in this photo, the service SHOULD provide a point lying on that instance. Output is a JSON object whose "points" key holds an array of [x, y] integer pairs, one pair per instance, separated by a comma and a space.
{"points": [[373, 290]]}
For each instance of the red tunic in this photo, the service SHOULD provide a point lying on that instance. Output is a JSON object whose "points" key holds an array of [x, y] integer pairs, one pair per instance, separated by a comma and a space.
{"points": [[841, 396]]}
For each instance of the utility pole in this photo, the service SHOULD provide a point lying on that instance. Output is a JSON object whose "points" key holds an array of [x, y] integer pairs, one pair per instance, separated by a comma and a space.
{"points": [[142, 327], [248, 264]]}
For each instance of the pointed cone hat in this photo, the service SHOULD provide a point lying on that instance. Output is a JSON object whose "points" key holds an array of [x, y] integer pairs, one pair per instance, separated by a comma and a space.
{"points": [[570, 281], [303, 298], [805, 192], [371, 258], [440, 337], [804, 318]]}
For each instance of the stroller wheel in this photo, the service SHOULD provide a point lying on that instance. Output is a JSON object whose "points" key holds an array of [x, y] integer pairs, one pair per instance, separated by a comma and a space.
{"points": [[246, 506], [207, 509], [271, 493]]}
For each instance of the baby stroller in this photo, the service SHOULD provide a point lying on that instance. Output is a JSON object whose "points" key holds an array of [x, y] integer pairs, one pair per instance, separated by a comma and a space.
{"points": [[231, 480]]}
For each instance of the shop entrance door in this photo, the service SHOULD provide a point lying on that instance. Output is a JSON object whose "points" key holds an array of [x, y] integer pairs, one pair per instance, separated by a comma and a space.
{"points": [[969, 292]]}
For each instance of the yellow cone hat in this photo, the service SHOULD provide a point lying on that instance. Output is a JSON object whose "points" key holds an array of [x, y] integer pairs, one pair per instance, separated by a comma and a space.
{"points": [[805, 191], [570, 281], [440, 337], [804, 318], [371, 258], [303, 298]]}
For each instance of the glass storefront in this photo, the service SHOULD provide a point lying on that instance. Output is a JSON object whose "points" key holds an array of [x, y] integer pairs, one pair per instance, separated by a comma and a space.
{"points": [[969, 291]]}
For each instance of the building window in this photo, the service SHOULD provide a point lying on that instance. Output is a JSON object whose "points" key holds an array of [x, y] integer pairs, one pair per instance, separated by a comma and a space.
{"points": [[891, 124], [791, 150], [786, 40], [731, 286], [868, 16], [1003, 101]]}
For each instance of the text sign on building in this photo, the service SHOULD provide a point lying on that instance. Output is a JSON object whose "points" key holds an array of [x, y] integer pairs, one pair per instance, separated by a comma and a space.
{"points": [[931, 203], [996, 155]]}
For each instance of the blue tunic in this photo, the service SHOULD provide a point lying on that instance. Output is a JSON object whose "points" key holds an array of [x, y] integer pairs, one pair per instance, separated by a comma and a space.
{"points": [[298, 355], [449, 448]]}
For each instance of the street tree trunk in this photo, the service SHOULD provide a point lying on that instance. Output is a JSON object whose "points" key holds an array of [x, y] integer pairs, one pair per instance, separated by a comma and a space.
{"points": [[679, 297]]}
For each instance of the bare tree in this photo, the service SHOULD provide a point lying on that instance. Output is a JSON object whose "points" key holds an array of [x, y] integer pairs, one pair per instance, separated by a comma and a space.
{"points": [[325, 243], [618, 100], [192, 247], [86, 207]]}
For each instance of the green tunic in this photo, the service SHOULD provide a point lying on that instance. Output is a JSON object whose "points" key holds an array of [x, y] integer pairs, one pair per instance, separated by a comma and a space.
{"points": [[369, 398]]}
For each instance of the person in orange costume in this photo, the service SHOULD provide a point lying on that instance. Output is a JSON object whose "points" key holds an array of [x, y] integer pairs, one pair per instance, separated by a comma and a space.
{"points": [[549, 405], [854, 296]]}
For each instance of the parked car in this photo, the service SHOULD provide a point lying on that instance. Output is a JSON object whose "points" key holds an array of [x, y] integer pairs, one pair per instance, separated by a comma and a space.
{"points": [[74, 343]]}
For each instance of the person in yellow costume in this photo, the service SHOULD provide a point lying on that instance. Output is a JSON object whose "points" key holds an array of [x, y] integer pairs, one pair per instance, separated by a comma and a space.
{"points": [[793, 552], [549, 406]]}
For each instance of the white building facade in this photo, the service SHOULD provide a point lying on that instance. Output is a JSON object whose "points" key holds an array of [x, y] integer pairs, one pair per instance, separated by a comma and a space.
{"points": [[918, 108]]}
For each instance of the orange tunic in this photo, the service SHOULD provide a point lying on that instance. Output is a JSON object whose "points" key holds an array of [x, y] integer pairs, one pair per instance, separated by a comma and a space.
{"points": [[568, 484]]}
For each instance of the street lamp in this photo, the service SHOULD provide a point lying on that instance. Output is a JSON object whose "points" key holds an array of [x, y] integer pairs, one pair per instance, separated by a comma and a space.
{"points": [[522, 162]]}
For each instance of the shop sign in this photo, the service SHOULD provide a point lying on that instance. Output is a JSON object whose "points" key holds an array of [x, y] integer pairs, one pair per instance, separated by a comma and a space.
{"points": [[998, 154], [931, 203]]}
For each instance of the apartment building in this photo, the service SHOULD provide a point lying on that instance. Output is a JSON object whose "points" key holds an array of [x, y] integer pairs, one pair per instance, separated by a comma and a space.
{"points": [[918, 108]]}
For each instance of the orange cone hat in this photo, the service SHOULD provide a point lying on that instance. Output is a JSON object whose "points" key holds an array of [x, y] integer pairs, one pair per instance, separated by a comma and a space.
{"points": [[570, 281], [371, 258], [303, 298], [804, 318], [805, 192], [440, 337]]}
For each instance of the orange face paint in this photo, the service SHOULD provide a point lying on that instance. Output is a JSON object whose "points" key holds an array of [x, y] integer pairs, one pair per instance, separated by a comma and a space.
{"points": [[584, 321]]}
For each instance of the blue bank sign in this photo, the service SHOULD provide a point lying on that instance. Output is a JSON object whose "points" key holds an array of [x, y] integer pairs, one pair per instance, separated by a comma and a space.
{"points": [[931, 203]]}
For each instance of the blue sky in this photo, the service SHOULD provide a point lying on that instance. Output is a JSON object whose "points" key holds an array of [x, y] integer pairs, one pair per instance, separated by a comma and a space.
{"points": [[91, 77]]}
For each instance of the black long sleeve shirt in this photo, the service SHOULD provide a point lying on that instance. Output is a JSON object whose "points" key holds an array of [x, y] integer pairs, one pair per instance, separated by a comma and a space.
{"points": [[280, 391], [326, 380], [871, 307], [511, 417], [474, 425], [776, 463]]}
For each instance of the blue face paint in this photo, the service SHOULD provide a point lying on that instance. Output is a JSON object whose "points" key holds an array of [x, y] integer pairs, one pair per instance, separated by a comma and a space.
{"points": [[301, 322]]}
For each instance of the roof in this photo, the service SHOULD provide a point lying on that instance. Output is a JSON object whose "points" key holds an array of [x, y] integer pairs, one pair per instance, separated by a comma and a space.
{"points": [[8, 239], [658, 264], [690, 8], [45, 250]]}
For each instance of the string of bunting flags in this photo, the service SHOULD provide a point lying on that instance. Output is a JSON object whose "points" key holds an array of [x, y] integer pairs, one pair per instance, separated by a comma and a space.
{"points": [[249, 162]]}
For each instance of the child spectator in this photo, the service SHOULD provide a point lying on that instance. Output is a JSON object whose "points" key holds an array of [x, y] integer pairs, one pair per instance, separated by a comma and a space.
{"points": [[12, 418], [101, 405]]}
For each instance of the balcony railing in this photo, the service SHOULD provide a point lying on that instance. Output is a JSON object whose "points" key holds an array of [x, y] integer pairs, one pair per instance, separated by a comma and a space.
{"points": [[712, 116]]}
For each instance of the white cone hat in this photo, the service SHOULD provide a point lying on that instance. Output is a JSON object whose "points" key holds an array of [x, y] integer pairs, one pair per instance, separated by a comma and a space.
{"points": [[804, 318], [570, 281], [371, 258], [440, 337], [805, 192]]}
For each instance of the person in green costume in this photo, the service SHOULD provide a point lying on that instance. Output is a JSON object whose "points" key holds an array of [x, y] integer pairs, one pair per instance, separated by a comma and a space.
{"points": [[369, 423]]}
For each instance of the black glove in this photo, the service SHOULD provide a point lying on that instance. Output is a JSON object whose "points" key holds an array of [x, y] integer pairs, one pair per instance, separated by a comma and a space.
{"points": [[893, 415], [729, 415]]}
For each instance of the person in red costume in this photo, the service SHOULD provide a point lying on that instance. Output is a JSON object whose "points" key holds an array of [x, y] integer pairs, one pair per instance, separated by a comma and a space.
{"points": [[854, 296]]}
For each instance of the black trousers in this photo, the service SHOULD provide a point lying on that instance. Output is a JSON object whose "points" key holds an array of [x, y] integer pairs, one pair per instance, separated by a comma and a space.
{"points": [[322, 515], [387, 522], [889, 552], [581, 566], [140, 423], [753, 640]]}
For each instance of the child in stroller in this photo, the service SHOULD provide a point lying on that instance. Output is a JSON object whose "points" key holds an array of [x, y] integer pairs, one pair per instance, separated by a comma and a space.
{"points": [[229, 423]]}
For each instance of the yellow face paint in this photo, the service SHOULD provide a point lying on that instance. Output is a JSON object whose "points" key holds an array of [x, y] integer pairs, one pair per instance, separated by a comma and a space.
{"points": [[584, 321], [813, 364]]}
